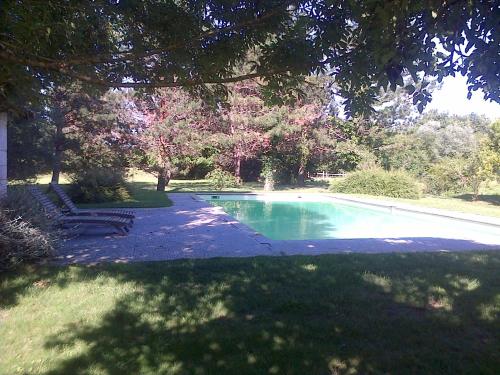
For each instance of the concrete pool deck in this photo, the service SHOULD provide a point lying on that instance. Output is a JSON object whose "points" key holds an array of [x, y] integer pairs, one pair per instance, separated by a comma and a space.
{"points": [[192, 228]]}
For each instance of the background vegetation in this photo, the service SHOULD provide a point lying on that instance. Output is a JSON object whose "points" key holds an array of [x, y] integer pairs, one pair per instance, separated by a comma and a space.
{"points": [[169, 134]]}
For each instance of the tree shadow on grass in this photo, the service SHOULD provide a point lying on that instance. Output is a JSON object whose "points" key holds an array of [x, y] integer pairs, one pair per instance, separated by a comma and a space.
{"points": [[342, 314], [404, 313], [493, 199]]}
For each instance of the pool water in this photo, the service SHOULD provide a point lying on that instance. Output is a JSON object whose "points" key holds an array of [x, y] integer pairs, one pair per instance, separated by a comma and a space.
{"points": [[306, 220]]}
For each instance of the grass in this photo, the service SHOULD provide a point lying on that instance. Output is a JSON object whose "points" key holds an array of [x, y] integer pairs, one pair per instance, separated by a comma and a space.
{"points": [[479, 207], [488, 203], [203, 186], [143, 194], [332, 314]]}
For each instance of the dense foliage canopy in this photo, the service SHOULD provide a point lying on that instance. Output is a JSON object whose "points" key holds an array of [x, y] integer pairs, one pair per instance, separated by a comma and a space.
{"points": [[202, 45]]}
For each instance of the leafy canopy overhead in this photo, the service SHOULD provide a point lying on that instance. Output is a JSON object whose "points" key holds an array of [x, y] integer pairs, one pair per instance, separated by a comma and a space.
{"points": [[202, 45]]}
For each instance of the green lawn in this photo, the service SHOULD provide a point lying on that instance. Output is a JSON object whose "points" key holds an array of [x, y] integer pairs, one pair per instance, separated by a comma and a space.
{"points": [[331, 314], [466, 205], [200, 186], [143, 194]]}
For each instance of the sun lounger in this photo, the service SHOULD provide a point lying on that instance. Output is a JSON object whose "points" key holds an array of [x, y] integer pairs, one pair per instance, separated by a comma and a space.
{"points": [[73, 210], [54, 213]]}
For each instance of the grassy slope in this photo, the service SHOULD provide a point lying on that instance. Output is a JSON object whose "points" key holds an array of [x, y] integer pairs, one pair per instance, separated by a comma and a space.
{"points": [[332, 314]]}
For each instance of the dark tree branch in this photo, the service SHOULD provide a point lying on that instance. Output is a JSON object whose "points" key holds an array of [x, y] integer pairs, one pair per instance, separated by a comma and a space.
{"points": [[154, 84], [134, 56]]}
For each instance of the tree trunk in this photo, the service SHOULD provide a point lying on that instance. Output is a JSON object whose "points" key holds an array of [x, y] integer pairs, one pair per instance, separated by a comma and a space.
{"points": [[237, 167], [58, 149], [3, 154], [56, 165], [301, 175], [476, 184], [164, 177]]}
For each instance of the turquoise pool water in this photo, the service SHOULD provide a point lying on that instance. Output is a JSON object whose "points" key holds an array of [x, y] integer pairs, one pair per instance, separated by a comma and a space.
{"points": [[306, 220]]}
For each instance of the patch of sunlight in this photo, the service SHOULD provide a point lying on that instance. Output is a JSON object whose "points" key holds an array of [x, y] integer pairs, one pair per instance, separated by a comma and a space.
{"points": [[463, 282], [479, 258], [209, 306], [274, 369], [338, 366], [278, 342], [410, 291], [169, 366], [214, 346], [438, 299], [279, 324], [382, 282], [310, 267], [490, 311], [202, 314]]}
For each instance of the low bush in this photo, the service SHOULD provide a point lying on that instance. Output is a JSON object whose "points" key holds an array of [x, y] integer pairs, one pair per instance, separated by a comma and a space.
{"points": [[396, 184], [25, 233], [220, 179], [98, 185]]}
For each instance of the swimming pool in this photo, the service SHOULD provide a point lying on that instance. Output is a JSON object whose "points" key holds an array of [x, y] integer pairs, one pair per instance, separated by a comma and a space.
{"points": [[286, 217]]}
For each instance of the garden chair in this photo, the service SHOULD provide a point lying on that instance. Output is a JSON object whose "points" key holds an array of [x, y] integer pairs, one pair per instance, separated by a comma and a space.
{"points": [[54, 213], [73, 210]]}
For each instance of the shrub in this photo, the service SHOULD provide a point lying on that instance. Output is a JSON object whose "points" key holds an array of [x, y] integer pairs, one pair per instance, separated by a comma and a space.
{"points": [[98, 185], [220, 179], [25, 232], [407, 152], [449, 176], [396, 184]]}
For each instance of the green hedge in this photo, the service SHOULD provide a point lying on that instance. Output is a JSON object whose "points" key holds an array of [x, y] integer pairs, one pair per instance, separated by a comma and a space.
{"points": [[394, 184]]}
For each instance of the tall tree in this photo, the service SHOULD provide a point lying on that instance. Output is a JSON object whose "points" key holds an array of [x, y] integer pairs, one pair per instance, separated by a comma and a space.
{"points": [[199, 45], [30, 145], [83, 125], [244, 122], [295, 137], [173, 128]]}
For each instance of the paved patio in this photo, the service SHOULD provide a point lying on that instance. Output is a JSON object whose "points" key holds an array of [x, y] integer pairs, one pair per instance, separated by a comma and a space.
{"points": [[194, 229]]}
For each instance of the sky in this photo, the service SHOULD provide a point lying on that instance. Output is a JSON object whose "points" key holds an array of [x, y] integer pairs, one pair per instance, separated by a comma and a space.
{"points": [[452, 98]]}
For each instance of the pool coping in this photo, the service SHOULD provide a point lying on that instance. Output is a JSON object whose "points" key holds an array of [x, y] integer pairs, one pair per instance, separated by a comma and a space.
{"points": [[385, 204]]}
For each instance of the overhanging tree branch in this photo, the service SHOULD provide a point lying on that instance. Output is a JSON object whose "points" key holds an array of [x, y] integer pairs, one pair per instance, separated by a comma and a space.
{"points": [[152, 84], [134, 56]]}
